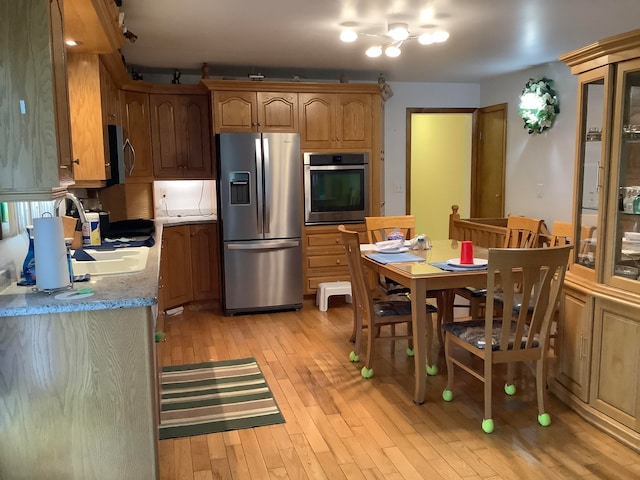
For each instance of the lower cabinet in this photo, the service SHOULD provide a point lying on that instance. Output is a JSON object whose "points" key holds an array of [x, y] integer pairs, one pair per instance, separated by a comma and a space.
{"points": [[324, 256], [598, 372], [574, 337], [190, 264], [615, 375]]}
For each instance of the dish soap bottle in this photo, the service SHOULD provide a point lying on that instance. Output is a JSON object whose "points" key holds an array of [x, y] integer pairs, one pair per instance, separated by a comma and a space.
{"points": [[29, 265]]}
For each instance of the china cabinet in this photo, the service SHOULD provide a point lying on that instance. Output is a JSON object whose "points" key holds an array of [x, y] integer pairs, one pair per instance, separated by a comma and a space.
{"points": [[598, 370], [35, 158], [255, 111]]}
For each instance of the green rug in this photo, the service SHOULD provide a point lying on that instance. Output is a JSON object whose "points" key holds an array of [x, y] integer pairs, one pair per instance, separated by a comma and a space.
{"points": [[215, 397]]}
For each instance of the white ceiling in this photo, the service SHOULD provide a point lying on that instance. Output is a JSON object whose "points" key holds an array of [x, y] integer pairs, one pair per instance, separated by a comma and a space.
{"points": [[286, 38]]}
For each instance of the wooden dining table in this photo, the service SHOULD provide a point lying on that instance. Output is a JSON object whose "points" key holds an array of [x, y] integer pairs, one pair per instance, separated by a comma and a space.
{"points": [[420, 277]]}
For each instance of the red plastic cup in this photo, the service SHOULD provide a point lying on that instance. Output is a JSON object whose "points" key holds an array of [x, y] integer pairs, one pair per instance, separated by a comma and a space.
{"points": [[466, 253]]}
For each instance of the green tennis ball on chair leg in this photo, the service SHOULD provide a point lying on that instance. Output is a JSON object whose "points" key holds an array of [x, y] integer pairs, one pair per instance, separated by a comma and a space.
{"points": [[447, 395], [544, 419], [487, 425], [509, 389], [366, 372], [354, 357], [432, 370]]}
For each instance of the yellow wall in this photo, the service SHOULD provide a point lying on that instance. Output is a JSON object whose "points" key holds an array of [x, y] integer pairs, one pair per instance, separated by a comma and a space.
{"points": [[440, 169]]}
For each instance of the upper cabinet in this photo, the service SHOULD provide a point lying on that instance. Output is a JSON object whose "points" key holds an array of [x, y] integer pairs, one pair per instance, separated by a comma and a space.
{"points": [[94, 101], [181, 136], [136, 132], [255, 111], [335, 120], [35, 157]]}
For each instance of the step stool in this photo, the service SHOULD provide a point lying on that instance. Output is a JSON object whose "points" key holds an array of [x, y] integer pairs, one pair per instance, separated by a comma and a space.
{"points": [[327, 289]]}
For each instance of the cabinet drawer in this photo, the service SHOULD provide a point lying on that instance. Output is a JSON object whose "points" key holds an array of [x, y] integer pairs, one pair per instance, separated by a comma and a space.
{"points": [[327, 261]]}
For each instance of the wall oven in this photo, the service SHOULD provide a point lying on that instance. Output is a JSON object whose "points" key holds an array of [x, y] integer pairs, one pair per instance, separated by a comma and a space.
{"points": [[336, 188]]}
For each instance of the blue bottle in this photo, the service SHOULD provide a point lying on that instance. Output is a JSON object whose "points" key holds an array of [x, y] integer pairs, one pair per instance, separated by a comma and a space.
{"points": [[29, 265]]}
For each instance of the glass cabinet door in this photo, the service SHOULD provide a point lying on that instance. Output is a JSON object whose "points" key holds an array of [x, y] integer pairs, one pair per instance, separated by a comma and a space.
{"points": [[624, 250], [593, 115]]}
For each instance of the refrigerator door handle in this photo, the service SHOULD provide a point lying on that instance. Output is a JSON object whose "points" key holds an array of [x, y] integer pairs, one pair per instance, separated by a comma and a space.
{"points": [[267, 176], [264, 245], [259, 184]]}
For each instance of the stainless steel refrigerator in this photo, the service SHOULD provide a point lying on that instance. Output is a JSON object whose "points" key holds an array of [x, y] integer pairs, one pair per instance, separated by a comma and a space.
{"points": [[260, 216]]}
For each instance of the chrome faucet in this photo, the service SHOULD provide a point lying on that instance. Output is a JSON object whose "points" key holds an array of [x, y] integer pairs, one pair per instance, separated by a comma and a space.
{"points": [[76, 202]]}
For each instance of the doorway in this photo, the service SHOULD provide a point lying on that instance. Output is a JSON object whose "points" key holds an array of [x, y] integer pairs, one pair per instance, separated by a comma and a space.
{"points": [[475, 181]]}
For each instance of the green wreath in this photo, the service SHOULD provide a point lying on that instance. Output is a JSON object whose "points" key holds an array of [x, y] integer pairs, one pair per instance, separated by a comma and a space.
{"points": [[538, 105]]}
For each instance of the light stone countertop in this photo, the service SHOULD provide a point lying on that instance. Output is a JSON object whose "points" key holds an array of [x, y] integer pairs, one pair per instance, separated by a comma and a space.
{"points": [[130, 290]]}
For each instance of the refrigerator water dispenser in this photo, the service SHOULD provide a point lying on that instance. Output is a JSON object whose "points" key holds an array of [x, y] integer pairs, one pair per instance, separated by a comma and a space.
{"points": [[239, 188]]}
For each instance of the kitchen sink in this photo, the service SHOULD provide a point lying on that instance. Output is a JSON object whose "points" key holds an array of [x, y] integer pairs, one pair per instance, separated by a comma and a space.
{"points": [[112, 262]]}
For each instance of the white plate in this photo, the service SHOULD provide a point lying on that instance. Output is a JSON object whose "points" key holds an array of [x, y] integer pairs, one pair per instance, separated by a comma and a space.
{"points": [[393, 250], [477, 262]]}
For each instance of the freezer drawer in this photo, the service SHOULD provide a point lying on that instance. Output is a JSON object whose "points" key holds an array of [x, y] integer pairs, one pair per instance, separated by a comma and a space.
{"points": [[262, 275]]}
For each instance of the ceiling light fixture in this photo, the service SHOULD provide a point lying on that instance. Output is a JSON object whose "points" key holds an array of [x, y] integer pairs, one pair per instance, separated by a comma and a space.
{"points": [[397, 34]]}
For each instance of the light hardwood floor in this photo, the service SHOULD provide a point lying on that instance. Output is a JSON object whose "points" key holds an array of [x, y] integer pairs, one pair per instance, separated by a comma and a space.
{"points": [[339, 425]]}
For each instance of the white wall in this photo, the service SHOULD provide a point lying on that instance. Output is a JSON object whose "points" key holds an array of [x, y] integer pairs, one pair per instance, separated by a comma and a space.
{"points": [[414, 95], [538, 164], [532, 160]]}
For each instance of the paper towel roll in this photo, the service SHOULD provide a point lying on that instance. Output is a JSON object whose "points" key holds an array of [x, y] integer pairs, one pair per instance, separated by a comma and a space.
{"points": [[52, 270]]}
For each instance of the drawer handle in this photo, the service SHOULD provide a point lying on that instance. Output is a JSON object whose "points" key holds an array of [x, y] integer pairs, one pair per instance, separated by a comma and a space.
{"points": [[338, 261], [337, 240]]}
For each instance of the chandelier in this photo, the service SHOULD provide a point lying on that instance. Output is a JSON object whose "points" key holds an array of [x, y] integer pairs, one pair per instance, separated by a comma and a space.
{"points": [[397, 34]]}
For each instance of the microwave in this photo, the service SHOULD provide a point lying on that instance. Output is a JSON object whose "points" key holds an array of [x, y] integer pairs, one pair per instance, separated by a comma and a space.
{"points": [[336, 188]]}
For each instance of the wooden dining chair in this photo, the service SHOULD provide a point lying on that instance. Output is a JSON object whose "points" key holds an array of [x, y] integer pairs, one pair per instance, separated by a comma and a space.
{"points": [[375, 315], [522, 232], [378, 229], [528, 275]]}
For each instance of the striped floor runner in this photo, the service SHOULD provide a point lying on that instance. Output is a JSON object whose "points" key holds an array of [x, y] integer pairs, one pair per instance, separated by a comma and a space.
{"points": [[214, 397]]}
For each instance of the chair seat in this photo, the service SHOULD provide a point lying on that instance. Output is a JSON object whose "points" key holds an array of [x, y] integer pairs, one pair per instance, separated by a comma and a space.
{"points": [[397, 307], [476, 292], [472, 332]]}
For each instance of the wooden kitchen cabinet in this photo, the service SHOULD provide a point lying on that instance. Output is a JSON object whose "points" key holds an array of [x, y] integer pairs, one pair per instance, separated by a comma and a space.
{"points": [[324, 256], [136, 132], [94, 103], [35, 158], [190, 264], [335, 120], [205, 261], [255, 111], [181, 136], [176, 280]]}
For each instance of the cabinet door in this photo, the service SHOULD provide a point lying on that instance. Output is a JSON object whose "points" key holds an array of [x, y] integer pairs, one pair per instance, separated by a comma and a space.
{"points": [[137, 129], [34, 132], [622, 257], [235, 112], [615, 383], [177, 284], [194, 133], [353, 121], [87, 132], [277, 112], [205, 262], [110, 95], [166, 128], [317, 120], [574, 342], [61, 94]]}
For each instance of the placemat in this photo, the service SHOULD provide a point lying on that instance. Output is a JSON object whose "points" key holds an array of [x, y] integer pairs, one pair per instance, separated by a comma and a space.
{"points": [[453, 268], [394, 257]]}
